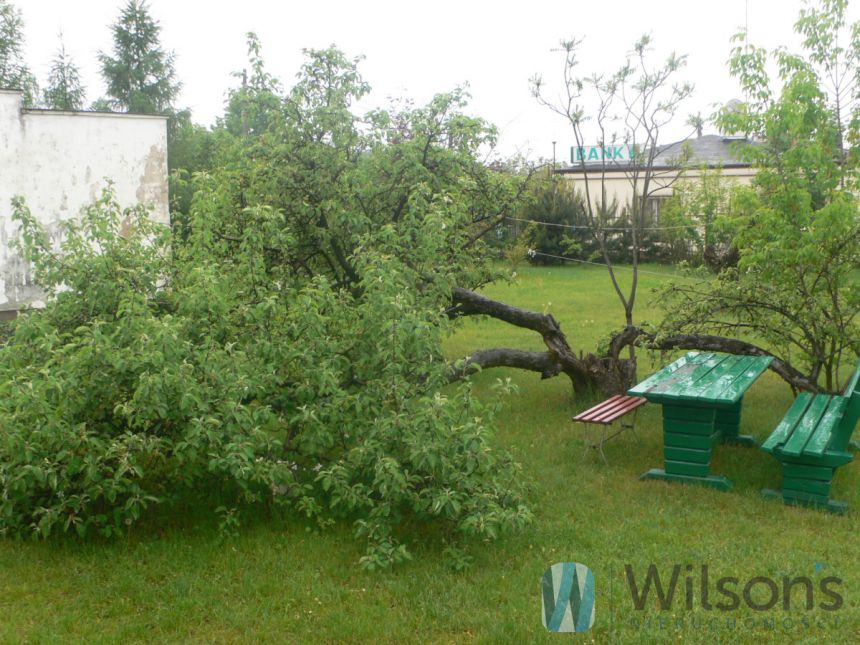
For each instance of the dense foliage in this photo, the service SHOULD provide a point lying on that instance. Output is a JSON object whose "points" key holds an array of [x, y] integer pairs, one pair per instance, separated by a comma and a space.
{"points": [[282, 344], [560, 222], [338, 177], [694, 221], [797, 229]]}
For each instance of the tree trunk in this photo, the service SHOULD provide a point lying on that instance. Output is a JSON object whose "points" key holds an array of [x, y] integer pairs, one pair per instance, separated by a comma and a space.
{"points": [[608, 374]]}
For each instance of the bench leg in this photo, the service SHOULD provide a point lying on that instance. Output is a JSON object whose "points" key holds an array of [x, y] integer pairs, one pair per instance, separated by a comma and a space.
{"points": [[807, 485], [791, 498], [604, 437], [597, 445], [600, 445], [688, 436], [727, 422], [632, 425], [588, 445]]}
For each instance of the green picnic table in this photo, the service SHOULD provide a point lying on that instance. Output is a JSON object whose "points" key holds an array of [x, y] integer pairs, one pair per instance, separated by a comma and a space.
{"points": [[701, 394]]}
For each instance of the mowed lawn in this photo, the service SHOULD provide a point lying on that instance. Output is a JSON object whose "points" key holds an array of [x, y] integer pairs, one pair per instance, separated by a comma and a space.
{"points": [[175, 579]]}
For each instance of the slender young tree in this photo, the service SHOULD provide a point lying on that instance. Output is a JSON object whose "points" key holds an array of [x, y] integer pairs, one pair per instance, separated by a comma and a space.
{"points": [[139, 75], [14, 72], [65, 90], [633, 105]]}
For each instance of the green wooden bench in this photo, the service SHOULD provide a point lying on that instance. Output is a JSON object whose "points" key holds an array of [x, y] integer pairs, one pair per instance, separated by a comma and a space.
{"points": [[811, 442]]}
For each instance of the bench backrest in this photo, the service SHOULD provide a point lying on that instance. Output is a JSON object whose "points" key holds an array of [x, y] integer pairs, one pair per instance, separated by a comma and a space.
{"points": [[853, 385], [852, 412]]}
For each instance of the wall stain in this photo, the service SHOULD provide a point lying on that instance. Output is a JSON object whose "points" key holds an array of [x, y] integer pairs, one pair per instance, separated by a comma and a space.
{"points": [[152, 188]]}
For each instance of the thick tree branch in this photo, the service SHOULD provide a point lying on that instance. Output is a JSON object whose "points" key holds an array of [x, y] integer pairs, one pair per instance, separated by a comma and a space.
{"points": [[707, 342], [610, 373], [543, 362], [585, 371]]}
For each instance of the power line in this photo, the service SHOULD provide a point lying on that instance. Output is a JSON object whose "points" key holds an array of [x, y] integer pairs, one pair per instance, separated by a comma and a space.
{"points": [[608, 228], [532, 253]]}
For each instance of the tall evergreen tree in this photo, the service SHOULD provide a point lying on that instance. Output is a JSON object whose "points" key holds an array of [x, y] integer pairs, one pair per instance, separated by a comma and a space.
{"points": [[140, 76], [65, 90], [14, 73]]}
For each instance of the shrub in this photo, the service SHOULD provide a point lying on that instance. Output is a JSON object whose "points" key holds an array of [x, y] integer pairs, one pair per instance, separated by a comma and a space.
{"points": [[154, 372]]}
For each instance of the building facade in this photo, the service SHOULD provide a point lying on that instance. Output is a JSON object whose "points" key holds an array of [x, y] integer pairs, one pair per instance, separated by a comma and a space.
{"points": [[608, 177], [59, 162]]}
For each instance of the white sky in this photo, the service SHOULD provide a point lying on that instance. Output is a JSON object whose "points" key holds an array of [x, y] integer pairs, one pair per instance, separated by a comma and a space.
{"points": [[418, 49]]}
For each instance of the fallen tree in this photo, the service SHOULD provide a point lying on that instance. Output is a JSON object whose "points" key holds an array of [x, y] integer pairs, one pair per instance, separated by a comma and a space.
{"points": [[586, 371], [609, 373], [707, 342]]}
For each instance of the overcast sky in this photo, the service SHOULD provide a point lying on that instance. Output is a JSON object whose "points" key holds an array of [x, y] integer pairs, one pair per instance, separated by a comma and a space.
{"points": [[419, 49]]}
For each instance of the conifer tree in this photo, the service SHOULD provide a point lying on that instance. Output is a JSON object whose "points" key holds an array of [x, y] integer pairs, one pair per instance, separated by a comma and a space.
{"points": [[65, 90], [14, 72], [139, 75]]}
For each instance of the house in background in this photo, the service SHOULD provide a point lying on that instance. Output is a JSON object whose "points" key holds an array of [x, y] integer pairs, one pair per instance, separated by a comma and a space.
{"points": [[59, 162], [611, 170]]}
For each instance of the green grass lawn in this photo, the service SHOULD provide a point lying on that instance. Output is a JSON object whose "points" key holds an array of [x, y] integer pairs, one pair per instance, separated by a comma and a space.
{"points": [[276, 581]]}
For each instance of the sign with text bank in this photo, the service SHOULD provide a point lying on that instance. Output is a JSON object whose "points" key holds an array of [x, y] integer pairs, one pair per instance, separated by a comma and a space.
{"points": [[578, 154]]}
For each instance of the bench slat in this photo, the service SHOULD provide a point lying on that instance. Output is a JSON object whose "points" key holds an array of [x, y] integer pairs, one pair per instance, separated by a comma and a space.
{"points": [[587, 414], [610, 409], [783, 431], [607, 408], [811, 443], [847, 424], [607, 411], [620, 409], [795, 444], [820, 439]]}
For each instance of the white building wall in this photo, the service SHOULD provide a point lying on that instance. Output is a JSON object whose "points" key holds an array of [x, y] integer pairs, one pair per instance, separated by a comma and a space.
{"points": [[620, 187], [60, 161]]}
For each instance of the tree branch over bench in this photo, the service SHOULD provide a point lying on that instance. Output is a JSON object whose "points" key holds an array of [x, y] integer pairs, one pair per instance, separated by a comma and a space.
{"points": [[585, 371], [706, 342], [610, 374]]}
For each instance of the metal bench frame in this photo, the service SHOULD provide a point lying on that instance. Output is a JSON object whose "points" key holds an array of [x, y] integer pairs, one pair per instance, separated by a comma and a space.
{"points": [[605, 414]]}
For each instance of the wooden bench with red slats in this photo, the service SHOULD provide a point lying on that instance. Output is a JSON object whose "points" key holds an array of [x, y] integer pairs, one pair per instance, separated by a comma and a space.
{"points": [[606, 413]]}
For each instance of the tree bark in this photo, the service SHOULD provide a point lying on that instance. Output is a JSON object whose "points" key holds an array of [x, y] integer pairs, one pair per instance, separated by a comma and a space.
{"points": [[706, 342], [609, 374], [543, 362], [586, 371]]}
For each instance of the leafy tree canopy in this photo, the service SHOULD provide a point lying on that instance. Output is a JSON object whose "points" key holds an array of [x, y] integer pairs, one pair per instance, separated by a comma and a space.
{"points": [[283, 344], [797, 229]]}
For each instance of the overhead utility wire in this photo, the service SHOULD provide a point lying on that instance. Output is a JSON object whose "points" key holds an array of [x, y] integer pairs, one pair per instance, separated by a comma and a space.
{"points": [[619, 228], [532, 253]]}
